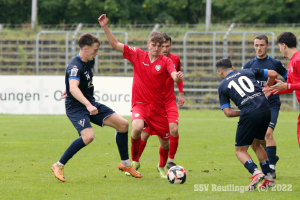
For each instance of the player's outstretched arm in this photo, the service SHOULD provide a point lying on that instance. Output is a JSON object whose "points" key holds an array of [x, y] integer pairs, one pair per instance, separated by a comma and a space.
{"points": [[114, 43], [177, 76], [231, 113], [272, 77], [77, 94]]}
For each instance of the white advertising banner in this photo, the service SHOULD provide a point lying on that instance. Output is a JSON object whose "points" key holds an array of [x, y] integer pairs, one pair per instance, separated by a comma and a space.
{"points": [[42, 94]]}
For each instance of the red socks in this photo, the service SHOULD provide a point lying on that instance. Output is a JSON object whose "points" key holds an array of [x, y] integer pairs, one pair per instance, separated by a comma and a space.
{"points": [[135, 148], [173, 146], [142, 147], [163, 157]]}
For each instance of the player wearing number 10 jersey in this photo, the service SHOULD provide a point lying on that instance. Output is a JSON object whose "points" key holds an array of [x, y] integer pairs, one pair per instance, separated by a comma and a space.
{"points": [[242, 88]]}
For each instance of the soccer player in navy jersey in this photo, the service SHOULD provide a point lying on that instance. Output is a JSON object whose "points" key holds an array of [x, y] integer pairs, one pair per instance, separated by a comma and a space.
{"points": [[242, 88], [150, 70], [263, 61], [170, 104], [81, 108]]}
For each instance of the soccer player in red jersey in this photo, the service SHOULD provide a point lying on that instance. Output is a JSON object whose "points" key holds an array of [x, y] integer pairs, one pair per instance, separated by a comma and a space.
{"points": [[170, 103], [150, 71], [287, 43]]}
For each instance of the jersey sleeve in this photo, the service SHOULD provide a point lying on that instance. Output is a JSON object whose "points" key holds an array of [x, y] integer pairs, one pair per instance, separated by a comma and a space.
{"points": [[281, 70], [180, 84], [178, 64], [130, 53], [246, 65], [296, 66], [224, 99], [170, 66], [74, 72], [259, 73]]}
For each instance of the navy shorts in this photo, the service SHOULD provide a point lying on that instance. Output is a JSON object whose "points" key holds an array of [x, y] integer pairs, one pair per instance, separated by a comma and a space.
{"points": [[274, 116], [81, 118], [250, 127]]}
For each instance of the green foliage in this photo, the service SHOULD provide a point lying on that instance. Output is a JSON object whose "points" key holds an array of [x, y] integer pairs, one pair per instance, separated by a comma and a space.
{"points": [[256, 11], [151, 11]]}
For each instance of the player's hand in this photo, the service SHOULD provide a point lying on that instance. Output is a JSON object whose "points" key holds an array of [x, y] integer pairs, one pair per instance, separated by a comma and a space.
{"points": [[267, 91], [278, 87], [92, 109], [64, 94], [102, 20], [180, 75], [181, 99]]}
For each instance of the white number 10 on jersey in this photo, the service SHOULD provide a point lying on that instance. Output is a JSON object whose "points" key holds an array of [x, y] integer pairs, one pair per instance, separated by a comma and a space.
{"points": [[242, 84]]}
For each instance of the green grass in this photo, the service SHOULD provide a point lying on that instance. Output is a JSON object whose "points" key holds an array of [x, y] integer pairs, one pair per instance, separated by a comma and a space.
{"points": [[30, 144]]}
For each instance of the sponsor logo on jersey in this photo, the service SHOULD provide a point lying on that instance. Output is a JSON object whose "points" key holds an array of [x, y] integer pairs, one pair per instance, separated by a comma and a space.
{"points": [[74, 71], [157, 67], [174, 66], [233, 75], [145, 64], [81, 122], [137, 114], [87, 76], [291, 68]]}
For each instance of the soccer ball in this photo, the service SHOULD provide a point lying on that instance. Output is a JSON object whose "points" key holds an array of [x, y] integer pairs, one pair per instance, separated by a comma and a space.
{"points": [[177, 175]]}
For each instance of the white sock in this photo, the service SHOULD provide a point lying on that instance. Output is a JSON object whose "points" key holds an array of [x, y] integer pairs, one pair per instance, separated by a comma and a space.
{"points": [[272, 167], [126, 162], [269, 177], [59, 163], [171, 160], [256, 171]]}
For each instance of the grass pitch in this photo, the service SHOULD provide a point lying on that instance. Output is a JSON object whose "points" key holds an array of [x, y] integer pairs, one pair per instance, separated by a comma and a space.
{"points": [[30, 144]]}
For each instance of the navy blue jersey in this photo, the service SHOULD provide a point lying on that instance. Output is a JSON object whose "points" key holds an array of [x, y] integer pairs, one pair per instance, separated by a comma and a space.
{"points": [[242, 88], [270, 64], [81, 71]]}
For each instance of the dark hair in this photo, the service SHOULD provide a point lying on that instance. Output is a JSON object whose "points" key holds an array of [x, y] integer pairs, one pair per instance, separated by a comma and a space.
{"points": [[156, 37], [224, 63], [287, 38], [262, 37], [167, 38], [87, 39]]}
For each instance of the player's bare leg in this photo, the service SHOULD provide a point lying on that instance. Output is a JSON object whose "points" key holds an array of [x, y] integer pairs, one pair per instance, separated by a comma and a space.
{"points": [[263, 159], [271, 150], [245, 159], [163, 152], [173, 144], [137, 128], [87, 136], [121, 126], [144, 138]]}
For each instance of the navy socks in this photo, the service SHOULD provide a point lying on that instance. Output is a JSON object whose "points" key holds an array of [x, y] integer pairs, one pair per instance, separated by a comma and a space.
{"points": [[72, 150], [122, 142]]}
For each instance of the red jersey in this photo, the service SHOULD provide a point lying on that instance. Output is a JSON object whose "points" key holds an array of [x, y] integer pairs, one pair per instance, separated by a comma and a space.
{"points": [[148, 78], [294, 73], [169, 87]]}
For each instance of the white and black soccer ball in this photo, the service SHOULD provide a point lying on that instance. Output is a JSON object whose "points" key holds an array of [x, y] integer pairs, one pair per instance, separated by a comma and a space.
{"points": [[177, 175]]}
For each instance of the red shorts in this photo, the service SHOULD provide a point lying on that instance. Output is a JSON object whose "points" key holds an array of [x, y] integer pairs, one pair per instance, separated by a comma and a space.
{"points": [[154, 117], [173, 117], [172, 112]]}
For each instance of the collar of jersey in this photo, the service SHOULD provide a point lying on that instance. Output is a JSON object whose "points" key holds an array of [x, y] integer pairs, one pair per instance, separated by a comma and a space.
{"points": [[79, 57], [229, 73], [263, 58]]}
